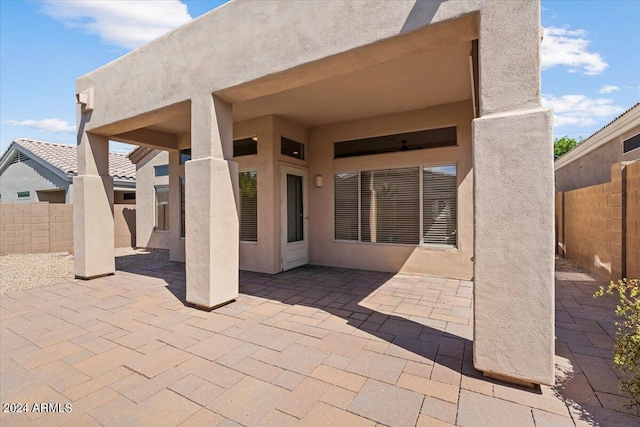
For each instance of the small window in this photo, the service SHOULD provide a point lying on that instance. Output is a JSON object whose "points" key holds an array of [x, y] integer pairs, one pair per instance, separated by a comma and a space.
{"points": [[433, 138], [24, 194], [631, 144], [291, 148], [161, 170], [182, 215], [162, 208], [185, 155], [129, 196], [245, 147], [248, 206]]}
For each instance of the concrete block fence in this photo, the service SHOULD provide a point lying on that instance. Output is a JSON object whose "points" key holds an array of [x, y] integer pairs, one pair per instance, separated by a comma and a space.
{"points": [[599, 226], [48, 227]]}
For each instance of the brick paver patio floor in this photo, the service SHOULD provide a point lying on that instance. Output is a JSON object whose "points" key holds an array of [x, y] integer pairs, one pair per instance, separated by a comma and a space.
{"points": [[314, 346]]}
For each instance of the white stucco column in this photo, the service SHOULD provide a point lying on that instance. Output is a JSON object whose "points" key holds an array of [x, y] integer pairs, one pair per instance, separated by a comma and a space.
{"points": [[513, 201], [212, 225], [93, 234]]}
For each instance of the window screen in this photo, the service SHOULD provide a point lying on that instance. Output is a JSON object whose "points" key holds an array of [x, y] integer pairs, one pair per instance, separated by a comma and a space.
{"points": [[249, 206], [390, 206], [346, 206], [162, 208], [439, 207]]}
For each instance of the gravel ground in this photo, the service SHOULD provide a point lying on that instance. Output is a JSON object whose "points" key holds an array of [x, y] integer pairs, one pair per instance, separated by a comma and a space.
{"points": [[563, 264], [22, 271]]}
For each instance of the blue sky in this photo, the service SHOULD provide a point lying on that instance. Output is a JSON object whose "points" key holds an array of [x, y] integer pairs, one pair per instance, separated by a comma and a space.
{"points": [[591, 58]]}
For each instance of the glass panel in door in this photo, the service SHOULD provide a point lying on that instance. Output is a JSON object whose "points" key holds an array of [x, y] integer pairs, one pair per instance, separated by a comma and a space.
{"points": [[295, 214]]}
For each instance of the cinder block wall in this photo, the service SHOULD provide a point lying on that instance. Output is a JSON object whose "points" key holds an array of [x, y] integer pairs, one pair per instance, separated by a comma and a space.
{"points": [[599, 226], [632, 228], [43, 227]]}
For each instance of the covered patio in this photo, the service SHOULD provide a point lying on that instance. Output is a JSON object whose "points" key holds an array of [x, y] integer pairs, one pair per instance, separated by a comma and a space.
{"points": [[366, 78], [313, 346]]}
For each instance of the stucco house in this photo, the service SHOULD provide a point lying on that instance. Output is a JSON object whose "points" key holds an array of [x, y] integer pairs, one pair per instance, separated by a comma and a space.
{"points": [[590, 162], [405, 136], [39, 171]]}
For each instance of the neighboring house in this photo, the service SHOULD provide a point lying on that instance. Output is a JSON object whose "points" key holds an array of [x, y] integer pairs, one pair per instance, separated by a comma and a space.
{"points": [[39, 171], [590, 162], [406, 137]]}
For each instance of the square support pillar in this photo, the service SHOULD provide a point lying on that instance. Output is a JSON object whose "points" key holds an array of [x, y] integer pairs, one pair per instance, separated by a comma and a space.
{"points": [[93, 229], [211, 189], [513, 268]]}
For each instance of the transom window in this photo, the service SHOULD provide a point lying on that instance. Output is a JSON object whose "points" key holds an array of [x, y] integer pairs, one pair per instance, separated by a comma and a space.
{"points": [[245, 147], [291, 148], [414, 205], [432, 138], [161, 170]]}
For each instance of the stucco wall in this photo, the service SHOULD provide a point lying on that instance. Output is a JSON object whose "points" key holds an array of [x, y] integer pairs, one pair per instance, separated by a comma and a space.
{"points": [[599, 226], [146, 235], [28, 176], [304, 32], [595, 167], [48, 227], [324, 250]]}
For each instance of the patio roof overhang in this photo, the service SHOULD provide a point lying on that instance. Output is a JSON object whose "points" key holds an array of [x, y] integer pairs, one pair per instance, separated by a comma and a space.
{"points": [[423, 68]]}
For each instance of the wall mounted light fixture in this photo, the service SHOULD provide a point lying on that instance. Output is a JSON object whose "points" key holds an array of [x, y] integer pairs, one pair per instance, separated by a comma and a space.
{"points": [[319, 181]]}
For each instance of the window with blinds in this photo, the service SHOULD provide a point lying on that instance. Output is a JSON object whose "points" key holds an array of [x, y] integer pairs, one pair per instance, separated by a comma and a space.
{"points": [[248, 206], [346, 206], [390, 206], [397, 206], [439, 207]]}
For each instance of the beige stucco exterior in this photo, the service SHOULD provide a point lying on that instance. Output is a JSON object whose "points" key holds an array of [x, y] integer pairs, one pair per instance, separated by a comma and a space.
{"points": [[321, 72]]}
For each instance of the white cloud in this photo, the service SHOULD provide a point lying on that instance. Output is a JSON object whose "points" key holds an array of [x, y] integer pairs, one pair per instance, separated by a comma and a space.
{"points": [[608, 89], [570, 48], [47, 125], [580, 110], [127, 24]]}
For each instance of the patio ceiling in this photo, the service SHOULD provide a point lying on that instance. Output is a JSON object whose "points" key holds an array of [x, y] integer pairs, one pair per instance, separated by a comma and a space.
{"points": [[406, 83]]}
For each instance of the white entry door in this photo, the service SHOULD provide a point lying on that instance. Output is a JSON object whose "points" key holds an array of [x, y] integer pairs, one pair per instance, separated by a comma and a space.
{"points": [[294, 218]]}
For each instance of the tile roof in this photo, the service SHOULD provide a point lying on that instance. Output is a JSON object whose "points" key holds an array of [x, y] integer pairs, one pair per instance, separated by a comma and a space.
{"points": [[65, 158]]}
